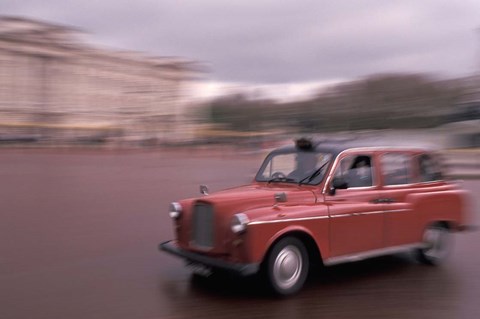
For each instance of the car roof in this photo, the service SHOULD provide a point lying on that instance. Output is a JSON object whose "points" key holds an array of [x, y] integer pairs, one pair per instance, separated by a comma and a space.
{"points": [[336, 147]]}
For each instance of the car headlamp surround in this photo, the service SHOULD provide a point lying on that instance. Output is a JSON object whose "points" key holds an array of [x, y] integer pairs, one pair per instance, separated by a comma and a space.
{"points": [[175, 210], [239, 223]]}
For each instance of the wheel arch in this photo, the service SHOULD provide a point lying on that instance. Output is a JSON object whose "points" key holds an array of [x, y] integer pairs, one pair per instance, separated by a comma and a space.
{"points": [[306, 237], [448, 224], [445, 208]]}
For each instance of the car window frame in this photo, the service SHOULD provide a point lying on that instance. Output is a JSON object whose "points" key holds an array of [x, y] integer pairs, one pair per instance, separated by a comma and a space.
{"points": [[348, 153]]}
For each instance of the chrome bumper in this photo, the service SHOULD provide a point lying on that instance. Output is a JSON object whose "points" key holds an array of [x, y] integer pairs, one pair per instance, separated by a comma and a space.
{"points": [[240, 269]]}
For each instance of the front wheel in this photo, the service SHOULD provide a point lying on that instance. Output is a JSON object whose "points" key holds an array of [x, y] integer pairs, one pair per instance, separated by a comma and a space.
{"points": [[438, 244], [287, 266]]}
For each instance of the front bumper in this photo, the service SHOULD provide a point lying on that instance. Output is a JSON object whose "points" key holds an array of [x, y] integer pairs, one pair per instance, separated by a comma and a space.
{"points": [[240, 269]]}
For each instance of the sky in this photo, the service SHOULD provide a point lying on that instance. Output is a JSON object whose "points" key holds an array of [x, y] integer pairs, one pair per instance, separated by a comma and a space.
{"points": [[279, 42]]}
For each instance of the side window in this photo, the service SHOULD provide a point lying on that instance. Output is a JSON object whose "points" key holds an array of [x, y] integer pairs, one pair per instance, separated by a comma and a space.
{"points": [[356, 170], [429, 169], [396, 169]]}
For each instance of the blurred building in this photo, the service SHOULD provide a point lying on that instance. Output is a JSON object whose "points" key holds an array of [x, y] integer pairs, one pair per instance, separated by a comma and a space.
{"points": [[54, 85]]}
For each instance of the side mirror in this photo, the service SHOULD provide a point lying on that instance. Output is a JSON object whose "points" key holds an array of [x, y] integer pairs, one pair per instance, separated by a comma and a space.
{"points": [[338, 183], [280, 198], [204, 189]]}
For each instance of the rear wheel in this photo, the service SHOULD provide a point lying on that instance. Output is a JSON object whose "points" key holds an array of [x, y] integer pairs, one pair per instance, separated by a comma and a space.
{"points": [[287, 266], [438, 243]]}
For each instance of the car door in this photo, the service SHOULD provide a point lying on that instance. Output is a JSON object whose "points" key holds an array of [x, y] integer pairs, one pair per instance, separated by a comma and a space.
{"points": [[356, 217], [397, 181]]}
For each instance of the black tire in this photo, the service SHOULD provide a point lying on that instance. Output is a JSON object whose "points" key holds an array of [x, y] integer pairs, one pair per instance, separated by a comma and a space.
{"points": [[438, 243], [287, 266]]}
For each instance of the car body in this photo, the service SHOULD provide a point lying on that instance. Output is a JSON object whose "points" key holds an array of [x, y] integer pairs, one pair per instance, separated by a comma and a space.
{"points": [[322, 202]]}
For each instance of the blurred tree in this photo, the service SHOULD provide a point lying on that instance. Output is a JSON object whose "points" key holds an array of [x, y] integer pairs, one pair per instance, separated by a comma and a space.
{"points": [[375, 102], [384, 101], [237, 112]]}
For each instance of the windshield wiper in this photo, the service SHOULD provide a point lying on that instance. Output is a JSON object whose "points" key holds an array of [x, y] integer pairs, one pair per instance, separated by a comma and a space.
{"points": [[313, 175]]}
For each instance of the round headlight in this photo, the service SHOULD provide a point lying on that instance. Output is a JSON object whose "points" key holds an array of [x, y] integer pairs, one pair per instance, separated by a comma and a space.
{"points": [[239, 223], [175, 210]]}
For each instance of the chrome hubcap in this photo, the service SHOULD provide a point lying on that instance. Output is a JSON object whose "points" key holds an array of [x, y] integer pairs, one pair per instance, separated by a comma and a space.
{"points": [[287, 267], [437, 241]]}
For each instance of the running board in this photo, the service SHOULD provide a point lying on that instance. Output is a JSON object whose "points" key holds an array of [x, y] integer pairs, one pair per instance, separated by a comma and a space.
{"points": [[371, 253]]}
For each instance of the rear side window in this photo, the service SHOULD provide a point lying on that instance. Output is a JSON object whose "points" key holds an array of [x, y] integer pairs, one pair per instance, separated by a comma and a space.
{"points": [[428, 168], [396, 169]]}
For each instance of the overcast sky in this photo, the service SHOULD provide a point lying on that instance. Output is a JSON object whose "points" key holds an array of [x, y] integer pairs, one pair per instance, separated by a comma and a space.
{"points": [[275, 41]]}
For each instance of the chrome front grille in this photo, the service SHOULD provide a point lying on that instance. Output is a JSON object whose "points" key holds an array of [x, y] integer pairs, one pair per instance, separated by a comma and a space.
{"points": [[203, 225]]}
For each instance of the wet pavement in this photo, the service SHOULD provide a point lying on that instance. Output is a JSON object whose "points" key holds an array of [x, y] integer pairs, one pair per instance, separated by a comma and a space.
{"points": [[79, 232]]}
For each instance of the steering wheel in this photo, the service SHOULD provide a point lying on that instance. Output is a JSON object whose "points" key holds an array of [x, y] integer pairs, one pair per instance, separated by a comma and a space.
{"points": [[278, 175]]}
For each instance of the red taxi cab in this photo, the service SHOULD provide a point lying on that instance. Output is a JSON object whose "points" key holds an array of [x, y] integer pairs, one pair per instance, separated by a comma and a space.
{"points": [[319, 203]]}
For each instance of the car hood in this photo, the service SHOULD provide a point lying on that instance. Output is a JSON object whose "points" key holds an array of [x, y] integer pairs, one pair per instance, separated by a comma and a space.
{"points": [[255, 200], [247, 197]]}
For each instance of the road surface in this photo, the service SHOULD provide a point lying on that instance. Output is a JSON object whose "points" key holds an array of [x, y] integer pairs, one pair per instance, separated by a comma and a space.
{"points": [[79, 232]]}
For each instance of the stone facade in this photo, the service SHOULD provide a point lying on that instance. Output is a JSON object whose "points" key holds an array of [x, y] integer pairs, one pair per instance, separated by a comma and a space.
{"points": [[54, 85]]}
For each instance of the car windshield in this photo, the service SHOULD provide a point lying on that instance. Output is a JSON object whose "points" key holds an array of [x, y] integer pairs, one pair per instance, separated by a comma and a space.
{"points": [[305, 167]]}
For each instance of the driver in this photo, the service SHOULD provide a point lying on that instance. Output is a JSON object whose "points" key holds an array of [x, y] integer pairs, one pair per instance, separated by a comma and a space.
{"points": [[360, 174], [305, 165]]}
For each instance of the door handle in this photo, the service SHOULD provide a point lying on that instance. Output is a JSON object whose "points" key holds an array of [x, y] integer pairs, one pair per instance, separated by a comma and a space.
{"points": [[383, 201]]}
